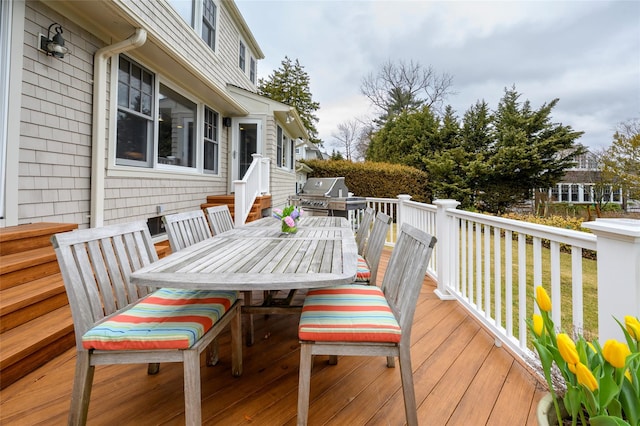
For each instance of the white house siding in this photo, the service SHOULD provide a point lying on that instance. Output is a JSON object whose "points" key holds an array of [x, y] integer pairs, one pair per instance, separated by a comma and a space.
{"points": [[283, 181], [55, 128]]}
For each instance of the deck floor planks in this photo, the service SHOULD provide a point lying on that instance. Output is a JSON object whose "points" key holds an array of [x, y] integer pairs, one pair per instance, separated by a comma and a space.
{"points": [[448, 345]]}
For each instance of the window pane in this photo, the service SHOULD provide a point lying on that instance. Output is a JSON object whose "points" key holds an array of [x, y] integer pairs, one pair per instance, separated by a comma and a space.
{"points": [[132, 137], [134, 126], [279, 147], [210, 141], [209, 23], [241, 56], [176, 136]]}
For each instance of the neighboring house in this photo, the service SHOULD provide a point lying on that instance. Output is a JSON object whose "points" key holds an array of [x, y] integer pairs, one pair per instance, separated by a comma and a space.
{"points": [[152, 109], [582, 185]]}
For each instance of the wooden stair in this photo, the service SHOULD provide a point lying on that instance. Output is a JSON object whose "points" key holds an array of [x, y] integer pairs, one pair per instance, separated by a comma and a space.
{"points": [[263, 202], [35, 319]]}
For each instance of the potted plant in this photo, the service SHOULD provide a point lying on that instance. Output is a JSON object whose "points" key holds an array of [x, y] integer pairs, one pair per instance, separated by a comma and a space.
{"points": [[588, 383]]}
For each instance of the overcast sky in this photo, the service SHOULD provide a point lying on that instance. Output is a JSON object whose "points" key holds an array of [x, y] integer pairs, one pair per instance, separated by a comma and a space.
{"points": [[586, 53]]}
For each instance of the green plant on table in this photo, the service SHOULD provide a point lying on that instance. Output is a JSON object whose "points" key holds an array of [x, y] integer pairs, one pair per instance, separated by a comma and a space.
{"points": [[602, 382]]}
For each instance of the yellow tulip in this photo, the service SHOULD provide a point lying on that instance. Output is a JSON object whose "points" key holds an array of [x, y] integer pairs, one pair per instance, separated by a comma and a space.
{"points": [[567, 349], [615, 352], [586, 377], [537, 324], [633, 326], [627, 374], [544, 302]]}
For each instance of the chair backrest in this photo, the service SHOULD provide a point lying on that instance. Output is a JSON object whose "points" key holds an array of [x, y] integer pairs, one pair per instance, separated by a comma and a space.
{"points": [[363, 229], [185, 229], [375, 243], [96, 264], [405, 273], [220, 219]]}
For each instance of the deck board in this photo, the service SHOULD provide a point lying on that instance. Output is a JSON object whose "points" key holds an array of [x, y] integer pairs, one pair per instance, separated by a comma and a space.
{"points": [[460, 378]]}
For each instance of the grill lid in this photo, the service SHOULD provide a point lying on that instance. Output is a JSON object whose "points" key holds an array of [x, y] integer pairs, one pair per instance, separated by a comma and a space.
{"points": [[325, 187]]}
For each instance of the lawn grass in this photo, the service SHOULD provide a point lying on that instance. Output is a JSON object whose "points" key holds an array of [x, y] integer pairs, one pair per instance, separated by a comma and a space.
{"points": [[589, 282]]}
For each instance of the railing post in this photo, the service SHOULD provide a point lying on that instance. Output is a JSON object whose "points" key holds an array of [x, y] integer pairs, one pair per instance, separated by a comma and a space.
{"points": [[446, 259], [400, 218], [618, 247]]}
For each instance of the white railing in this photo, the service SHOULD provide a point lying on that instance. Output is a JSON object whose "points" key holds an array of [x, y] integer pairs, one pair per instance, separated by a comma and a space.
{"points": [[254, 183], [492, 265]]}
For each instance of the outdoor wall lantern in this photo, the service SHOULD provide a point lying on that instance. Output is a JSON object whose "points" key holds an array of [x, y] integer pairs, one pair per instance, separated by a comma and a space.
{"points": [[53, 46]]}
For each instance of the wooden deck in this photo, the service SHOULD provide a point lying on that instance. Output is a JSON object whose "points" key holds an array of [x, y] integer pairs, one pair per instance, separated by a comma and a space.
{"points": [[461, 378]]}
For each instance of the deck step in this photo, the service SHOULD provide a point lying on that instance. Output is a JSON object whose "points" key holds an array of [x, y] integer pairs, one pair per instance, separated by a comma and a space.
{"points": [[16, 239], [19, 268], [23, 303], [31, 345]]}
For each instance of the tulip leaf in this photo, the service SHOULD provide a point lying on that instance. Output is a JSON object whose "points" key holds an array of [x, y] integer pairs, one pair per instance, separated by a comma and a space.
{"points": [[630, 403], [607, 421], [608, 390]]}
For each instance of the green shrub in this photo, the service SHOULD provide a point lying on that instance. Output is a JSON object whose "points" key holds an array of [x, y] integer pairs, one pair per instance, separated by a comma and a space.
{"points": [[372, 179]]}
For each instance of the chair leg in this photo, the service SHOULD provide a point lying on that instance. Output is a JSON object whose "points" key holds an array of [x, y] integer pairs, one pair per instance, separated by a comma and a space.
{"points": [[81, 393], [236, 343], [249, 318], [153, 368], [213, 353], [304, 383], [391, 362], [192, 393], [406, 374]]}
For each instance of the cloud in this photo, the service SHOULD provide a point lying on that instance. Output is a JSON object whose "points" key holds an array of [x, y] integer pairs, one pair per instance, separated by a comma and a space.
{"points": [[586, 53]]}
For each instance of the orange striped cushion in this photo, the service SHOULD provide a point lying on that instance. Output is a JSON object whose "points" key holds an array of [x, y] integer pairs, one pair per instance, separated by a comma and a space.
{"points": [[348, 313], [166, 319], [363, 274]]}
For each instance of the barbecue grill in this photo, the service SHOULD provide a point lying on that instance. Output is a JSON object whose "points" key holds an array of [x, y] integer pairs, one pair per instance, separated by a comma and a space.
{"points": [[326, 197]]}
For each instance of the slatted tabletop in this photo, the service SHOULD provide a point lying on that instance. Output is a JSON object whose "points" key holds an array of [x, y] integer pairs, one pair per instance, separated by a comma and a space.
{"points": [[259, 257]]}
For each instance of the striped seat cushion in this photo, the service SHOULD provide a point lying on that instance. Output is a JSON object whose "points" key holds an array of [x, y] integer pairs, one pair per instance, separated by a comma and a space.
{"points": [[363, 274], [166, 319], [348, 313]]}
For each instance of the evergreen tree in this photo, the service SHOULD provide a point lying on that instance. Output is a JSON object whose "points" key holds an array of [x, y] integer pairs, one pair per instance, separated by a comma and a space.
{"points": [[290, 85], [406, 139], [528, 151]]}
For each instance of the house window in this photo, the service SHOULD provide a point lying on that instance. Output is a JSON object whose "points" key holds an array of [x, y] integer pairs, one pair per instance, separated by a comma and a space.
{"points": [[192, 10], [211, 144], [252, 70], [209, 23], [291, 154], [280, 146], [176, 136], [564, 193], [241, 56], [134, 139], [575, 195]]}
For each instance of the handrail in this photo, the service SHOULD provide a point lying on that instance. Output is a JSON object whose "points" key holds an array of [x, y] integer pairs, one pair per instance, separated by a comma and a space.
{"points": [[254, 183]]}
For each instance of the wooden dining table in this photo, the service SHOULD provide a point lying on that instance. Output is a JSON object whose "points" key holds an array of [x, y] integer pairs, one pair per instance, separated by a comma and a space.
{"points": [[259, 256]]}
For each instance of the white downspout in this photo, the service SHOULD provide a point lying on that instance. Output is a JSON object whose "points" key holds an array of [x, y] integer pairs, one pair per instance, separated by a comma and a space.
{"points": [[98, 140]]}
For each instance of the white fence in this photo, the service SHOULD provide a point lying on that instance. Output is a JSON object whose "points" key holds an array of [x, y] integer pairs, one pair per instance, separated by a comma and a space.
{"points": [[492, 265]]}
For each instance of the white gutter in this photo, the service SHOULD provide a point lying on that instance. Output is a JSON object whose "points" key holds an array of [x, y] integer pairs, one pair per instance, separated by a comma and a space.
{"points": [[98, 139]]}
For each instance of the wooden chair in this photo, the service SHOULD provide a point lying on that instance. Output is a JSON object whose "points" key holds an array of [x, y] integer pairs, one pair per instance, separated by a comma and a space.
{"points": [[111, 316], [220, 219], [186, 228], [367, 320], [368, 261], [363, 229]]}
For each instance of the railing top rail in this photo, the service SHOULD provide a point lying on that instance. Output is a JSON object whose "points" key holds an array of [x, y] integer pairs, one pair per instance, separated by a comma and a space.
{"points": [[566, 236], [422, 206]]}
